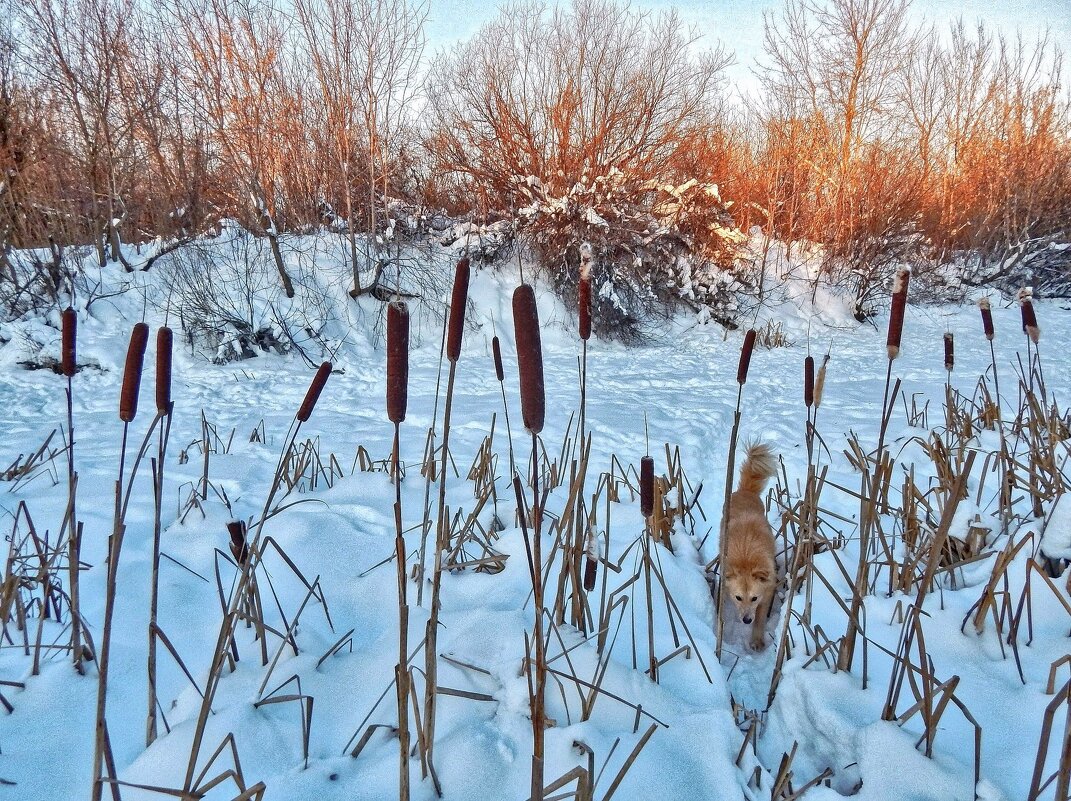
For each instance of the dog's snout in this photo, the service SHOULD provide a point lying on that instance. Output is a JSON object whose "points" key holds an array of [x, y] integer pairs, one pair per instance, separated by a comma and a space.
{"points": [[747, 618]]}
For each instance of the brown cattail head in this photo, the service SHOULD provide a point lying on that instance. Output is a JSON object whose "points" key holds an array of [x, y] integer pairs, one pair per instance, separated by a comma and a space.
{"points": [[68, 362], [529, 358], [584, 307], [164, 341], [808, 381], [1030, 321], [313, 394], [458, 301], [646, 486], [950, 352], [237, 529], [896, 315], [135, 358], [820, 382], [745, 356], [397, 360], [987, 318], [591, 567], [496, 351]]}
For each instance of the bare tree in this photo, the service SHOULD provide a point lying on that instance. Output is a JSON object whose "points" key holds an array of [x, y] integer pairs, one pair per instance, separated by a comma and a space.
{"points": [[76, 51], [365, 57], [237, 87], [568, 94]]}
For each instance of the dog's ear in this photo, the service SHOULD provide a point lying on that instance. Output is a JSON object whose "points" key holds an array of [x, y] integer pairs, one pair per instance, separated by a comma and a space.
{"points": [[761, 574]]}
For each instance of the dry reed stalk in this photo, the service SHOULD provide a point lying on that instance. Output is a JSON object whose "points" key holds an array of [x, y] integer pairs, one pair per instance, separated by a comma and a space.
{"points": [[164, 343], [741, 378], [533, 413], [397, 397], [455, 330], [241, 588], [820, 382]]}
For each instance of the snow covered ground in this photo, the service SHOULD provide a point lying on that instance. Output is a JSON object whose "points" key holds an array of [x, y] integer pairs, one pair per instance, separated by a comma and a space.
{"points": [[680, 390]]}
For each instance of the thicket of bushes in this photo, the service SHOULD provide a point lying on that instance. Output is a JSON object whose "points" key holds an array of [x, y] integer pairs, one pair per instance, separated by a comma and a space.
{"points": [[123, 121]]}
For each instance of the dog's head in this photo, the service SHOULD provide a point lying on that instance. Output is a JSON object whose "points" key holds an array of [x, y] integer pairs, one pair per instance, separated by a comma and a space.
{"points": [[748, 589]]}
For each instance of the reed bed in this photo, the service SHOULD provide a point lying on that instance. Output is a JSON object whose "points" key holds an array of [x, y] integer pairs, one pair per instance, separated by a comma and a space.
{"points": [[597, 602]]}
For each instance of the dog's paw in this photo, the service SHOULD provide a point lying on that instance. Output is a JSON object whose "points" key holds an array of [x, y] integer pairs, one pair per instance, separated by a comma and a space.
{"points": [[757, 646]]}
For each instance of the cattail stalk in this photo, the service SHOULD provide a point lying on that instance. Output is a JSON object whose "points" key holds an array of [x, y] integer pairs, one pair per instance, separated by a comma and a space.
{"points": [[896, 315], [870, 481], [808, 402], [128, 409], [397, 361], [69, 366], [312, 394], [164, 344], [950, 351], [741, 378], [529, 358], [1030, 320], [397, 396], [458, 300], [135, 358], [646, 486], [68, 361], [455, 329], [533, 413], [241, 588], [647, 510]]}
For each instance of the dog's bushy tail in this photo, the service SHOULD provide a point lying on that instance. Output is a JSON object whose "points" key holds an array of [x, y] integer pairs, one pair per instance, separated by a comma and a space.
{"points": [[759, 466]]}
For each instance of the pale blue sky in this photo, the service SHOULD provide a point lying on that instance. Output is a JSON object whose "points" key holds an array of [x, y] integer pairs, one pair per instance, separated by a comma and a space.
{"points": [[738, 23]]}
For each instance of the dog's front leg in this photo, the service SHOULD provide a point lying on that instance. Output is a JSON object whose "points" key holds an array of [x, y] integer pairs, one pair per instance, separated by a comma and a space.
{"points": [[758, 629]]}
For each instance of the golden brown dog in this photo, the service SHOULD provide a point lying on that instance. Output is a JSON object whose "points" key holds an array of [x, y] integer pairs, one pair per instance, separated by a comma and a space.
{"points": [[750, 570]]}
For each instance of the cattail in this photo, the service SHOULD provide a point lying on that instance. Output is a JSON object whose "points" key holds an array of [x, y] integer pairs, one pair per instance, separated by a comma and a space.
{"points": [[987, 318], [745, 356], [237, 529], [584, 307], [1030, 321], [164, 340], [896, 315], [591, 567], [458, 300], [313, 395], [397, 360], [808, 381], [68, 362], [496, 351], [950, 352], [820, 382], [646, 486], [135, 358], [529, 358]]}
